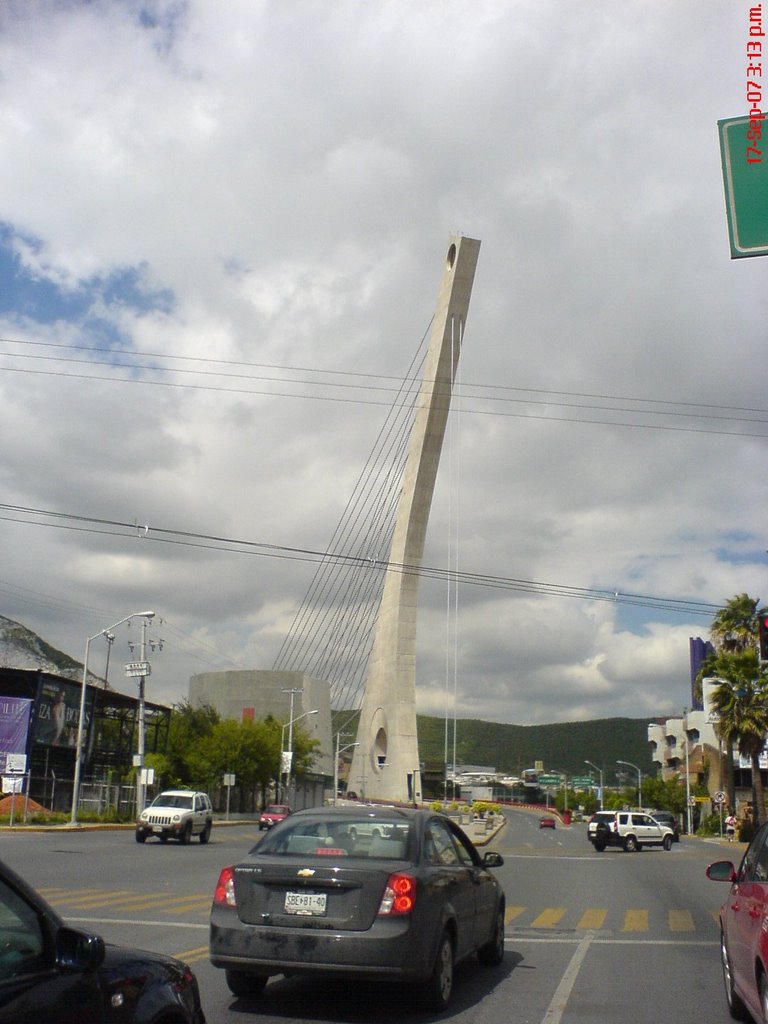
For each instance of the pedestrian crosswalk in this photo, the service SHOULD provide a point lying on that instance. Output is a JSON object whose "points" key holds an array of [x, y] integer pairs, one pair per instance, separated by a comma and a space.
{"points": [[124, 903], [72, 901], [625, 919]]}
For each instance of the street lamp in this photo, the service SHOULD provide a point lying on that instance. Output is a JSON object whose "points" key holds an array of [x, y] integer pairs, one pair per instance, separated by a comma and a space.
{"points": [[80, 723], [639, 781], [289, 726], [600, 772], [339, 750], [565, 787]]}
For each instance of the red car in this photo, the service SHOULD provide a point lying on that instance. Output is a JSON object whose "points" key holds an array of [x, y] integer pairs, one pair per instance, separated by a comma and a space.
{"points": [[273, 813], [546, 822], [744, 929]]}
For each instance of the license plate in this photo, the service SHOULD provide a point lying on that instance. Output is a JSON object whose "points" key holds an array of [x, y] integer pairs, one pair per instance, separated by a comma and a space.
{"points": [[307, 903], [157, 828]]}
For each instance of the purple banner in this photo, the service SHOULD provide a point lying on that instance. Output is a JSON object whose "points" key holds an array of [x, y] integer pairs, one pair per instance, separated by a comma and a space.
{"points": [[14, 727]]}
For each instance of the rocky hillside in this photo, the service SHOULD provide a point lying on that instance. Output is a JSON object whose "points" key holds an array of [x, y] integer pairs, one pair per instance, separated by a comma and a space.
{"points": [[21, 648]]}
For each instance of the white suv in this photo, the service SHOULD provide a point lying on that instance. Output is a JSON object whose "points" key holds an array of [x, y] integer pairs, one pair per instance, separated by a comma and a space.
{"points": [[631, 830], [176, 814]]}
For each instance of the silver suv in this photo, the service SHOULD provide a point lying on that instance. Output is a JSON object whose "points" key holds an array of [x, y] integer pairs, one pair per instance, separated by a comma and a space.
{"points": [[631, 830], [176, 814]]}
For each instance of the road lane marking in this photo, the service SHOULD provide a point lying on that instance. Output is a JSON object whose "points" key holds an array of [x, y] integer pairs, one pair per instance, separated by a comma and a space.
{"points": [[562, 992], [681, 921], [549, 918], [593, 919], [512, 912], [192, 956], [635, 921]]}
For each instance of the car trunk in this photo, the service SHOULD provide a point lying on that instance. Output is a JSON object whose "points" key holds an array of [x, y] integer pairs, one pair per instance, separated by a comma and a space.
{"points": [[313, 894]]}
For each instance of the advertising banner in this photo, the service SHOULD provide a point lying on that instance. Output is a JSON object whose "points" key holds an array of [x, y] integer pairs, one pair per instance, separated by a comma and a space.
{"points": [[14, 727], [58, 712]]}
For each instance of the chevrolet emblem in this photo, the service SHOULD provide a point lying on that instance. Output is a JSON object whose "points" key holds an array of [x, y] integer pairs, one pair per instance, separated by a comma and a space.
{"points": [[305, 873]]}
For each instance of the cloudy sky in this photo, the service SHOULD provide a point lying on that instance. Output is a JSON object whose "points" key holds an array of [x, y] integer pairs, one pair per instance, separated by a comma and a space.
{"points": [[222, 228]]}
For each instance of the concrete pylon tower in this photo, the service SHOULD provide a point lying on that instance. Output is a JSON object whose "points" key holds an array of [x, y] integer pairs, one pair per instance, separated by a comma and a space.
{"points": [[385, 764]]}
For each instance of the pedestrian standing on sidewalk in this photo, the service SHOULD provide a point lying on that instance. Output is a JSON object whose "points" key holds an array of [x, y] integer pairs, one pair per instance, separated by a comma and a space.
{"points": [[730, 827]]}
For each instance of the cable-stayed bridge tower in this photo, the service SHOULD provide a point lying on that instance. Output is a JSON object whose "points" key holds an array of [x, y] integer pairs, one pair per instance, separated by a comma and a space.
{"points": [[385, 764]]}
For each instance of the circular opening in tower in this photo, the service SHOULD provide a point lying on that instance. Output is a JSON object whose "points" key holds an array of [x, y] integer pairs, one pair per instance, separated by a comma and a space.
{"points": [[379, 751], [451, 258]]}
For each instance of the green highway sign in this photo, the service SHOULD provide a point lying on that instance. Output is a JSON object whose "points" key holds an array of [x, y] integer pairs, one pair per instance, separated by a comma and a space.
{"points": [[745, 176], [550, 780], [582, 782]]}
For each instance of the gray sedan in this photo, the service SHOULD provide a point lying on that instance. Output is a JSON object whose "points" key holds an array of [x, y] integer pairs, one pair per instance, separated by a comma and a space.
{"points": [[353, 892]]}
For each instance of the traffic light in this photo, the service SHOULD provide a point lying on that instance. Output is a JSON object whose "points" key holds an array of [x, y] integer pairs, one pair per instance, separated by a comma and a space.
{"points": [[762, 631]]}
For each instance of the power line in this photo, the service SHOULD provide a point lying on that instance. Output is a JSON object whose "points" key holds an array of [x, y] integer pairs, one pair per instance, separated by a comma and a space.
{"points": [[494, 394], [154, 534]]}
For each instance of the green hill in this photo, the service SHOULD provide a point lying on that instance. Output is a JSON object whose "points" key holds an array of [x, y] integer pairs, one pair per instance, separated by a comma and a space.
{"points": [[511, 748]]}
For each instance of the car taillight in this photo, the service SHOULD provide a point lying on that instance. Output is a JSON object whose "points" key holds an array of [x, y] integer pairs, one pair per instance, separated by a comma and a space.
{"points": [[224, 893], [399, 895]]}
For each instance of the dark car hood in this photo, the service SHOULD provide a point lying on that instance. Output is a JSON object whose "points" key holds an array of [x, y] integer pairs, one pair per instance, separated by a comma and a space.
{"points": [[122, 961]]}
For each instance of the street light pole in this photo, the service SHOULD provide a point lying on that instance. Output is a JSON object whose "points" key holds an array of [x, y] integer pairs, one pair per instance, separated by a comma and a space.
{"points": [[339, 750], [639, 781], [600, 772], [81, 719], [565, 787], [289, 726]]}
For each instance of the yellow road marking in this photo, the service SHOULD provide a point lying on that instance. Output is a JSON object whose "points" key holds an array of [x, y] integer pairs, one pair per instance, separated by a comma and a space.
{"points": [[192, 956], [593, 919], [680, 921], [549, 918], [635, 921], [512, 912]]}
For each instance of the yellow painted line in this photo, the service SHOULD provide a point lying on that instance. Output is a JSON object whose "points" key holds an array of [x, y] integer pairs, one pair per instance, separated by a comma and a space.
{"points": [[680, 921], [192, 956], [635, 921], [512, 912], [593, 919], [90, 898], [198, 904], [549, 918]]}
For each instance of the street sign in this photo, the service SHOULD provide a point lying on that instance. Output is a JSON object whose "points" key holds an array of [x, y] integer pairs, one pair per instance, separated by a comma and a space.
{"points": [[550, 780], [745, 177], [582, 782], [691, 801], [719, 797], [138, 668], [16, 764]]}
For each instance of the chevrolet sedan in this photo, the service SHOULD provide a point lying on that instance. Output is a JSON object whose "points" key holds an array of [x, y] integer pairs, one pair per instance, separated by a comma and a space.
{"points": [[743, 930], [358, 892]]}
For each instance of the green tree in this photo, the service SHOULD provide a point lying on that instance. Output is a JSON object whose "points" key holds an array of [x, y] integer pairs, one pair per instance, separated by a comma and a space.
{"points": [[741, 702], [188, 726], [734, 627]]}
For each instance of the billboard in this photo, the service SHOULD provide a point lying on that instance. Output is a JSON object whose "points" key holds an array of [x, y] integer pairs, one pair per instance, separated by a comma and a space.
{"points": [[58, 712], [14, 727]]}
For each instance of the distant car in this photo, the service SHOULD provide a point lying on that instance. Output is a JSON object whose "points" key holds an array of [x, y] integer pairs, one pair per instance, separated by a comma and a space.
{"points": [[273, 813], [631, 830], [670, 820], [546, 822], [405, 905], [176, 814], [743, 935], [53, 973]]}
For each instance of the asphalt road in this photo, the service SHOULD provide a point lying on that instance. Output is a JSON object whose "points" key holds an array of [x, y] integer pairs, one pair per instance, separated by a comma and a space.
{"points": [[590, 939]]}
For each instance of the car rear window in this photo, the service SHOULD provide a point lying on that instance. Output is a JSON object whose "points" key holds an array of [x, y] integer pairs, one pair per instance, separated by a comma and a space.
{"points": [[355, 838]]}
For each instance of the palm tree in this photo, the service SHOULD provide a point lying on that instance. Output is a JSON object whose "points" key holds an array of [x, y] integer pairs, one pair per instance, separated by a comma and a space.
{"points": [[741, 702], [734, 627]]}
